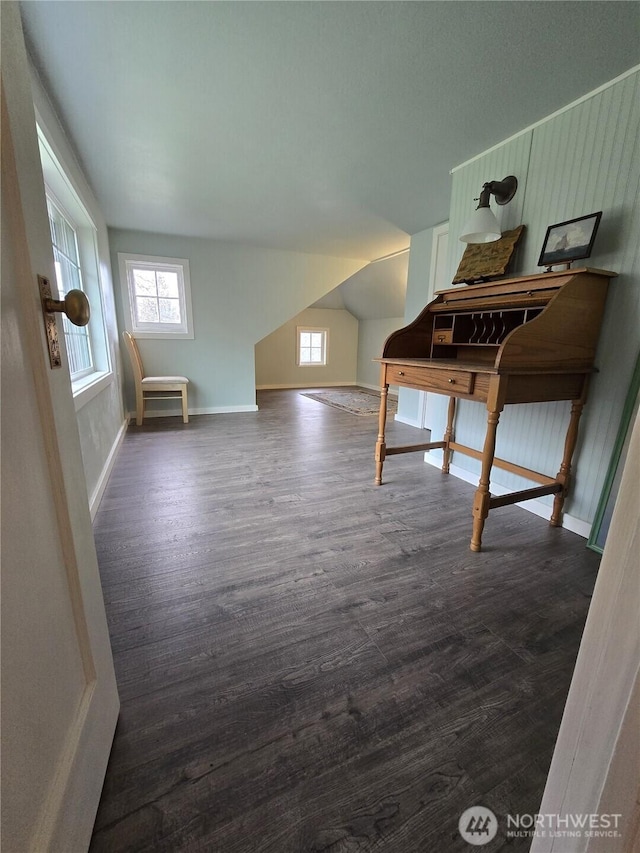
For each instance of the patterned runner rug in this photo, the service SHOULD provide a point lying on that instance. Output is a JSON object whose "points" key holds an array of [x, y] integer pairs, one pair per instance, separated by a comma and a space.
{"points": [[357, 401]]}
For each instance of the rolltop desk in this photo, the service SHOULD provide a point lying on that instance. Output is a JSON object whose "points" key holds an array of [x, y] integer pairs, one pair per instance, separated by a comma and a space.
{"points": [[522, 340]]}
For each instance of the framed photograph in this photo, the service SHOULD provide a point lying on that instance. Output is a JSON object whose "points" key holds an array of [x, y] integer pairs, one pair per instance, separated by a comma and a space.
{"points": [[570, 240]]}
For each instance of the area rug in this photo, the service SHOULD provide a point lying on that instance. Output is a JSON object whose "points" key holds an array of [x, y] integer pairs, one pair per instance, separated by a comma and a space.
{"points": [[357, 401]]}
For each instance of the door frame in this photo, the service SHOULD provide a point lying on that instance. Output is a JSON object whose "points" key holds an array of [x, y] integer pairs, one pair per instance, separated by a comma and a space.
{"points": [[58, 793]]}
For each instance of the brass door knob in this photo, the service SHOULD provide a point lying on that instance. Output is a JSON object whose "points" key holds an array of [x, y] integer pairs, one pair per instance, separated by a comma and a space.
{"points": [[75, 305]]}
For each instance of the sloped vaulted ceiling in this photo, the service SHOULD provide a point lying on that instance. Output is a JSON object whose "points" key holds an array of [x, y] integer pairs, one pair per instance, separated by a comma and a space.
{"points": [[322, 127], [374, 292]]}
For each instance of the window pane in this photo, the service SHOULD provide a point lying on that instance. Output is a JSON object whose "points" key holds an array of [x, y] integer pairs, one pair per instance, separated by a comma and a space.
{"points": [[62, 234], [305, 339], [56, 227], [74, 278], [69, 245], [316, 339], [147, 309], [145, 282], [169, 310], [168, 284], [69, 277], [316, 355], [78, 346], [59, 279], [78, 349], [62, 272]]}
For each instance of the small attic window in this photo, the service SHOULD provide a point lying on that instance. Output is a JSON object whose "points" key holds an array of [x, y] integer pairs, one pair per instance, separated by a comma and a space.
{"points": [[312, 346]]}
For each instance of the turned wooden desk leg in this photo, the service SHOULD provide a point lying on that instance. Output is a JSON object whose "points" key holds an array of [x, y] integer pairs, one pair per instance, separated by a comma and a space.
{"points": [[564, 474], [381, 447], [481, 499], [448, 435]]}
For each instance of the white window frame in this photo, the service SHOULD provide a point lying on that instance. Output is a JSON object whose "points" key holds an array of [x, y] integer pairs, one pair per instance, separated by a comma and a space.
{"points": [[69, 329], [325, 346], [127, 262], [61, 191]]}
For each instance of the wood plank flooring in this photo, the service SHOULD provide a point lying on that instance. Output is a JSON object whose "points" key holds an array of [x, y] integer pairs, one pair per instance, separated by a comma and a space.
{"points": [[307, 662]]}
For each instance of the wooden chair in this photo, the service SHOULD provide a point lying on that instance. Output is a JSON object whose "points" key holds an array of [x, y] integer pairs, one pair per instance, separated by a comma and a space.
{"points": [[150, 385]]}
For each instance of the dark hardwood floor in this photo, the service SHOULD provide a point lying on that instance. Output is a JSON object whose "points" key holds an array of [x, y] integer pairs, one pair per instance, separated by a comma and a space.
{"points": [[308, 662]]}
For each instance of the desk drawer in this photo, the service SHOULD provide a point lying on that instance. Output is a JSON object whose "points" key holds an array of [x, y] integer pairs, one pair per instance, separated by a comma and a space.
{"points": [[443, 336], [431, 379]]}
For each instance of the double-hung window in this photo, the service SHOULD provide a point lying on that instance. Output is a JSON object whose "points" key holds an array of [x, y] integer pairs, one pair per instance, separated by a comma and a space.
{"points": [[158, 293], [74, 238], [312, 346], [69, 277]]}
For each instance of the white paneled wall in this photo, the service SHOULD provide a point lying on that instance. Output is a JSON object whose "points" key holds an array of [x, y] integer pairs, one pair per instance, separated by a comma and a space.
{"points": [[510, 159], [580, 161]]}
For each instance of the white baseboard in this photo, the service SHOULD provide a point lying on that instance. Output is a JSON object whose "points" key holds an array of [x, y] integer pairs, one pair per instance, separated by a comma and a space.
{"points": [[98, 492], [575, 525], [408, 421], [393, 389], [211, 410], [306, 385], [222, 410]]}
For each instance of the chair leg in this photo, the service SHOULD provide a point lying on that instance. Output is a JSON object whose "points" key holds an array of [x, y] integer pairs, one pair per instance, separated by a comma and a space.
{"points": [[185, 408], [139, 408]]}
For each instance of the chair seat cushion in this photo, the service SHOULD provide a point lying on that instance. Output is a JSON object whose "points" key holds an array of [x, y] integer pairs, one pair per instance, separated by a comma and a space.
{"points": [[156, 380]]}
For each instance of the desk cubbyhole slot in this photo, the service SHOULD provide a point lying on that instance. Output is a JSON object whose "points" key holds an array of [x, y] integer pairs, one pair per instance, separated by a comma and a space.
{"points": [[476, 328], [443, 321]]}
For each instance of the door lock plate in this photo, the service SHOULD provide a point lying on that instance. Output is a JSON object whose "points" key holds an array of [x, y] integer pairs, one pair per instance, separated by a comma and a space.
{"points": [[50, 324]]}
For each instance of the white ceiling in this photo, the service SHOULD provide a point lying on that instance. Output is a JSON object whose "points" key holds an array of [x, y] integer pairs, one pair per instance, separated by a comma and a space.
{"points": [[325, 127], [376, 291]]}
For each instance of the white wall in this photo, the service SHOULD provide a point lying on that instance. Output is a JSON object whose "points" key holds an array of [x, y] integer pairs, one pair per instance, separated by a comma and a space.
{"points": [[100, 420], [276, 355], [580, 161], [240, 294], [371, 337], [418, 291]]}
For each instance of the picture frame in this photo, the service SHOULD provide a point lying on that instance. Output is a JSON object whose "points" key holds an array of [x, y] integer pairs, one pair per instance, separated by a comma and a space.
{"points": [[487, 261], [568, 241]]}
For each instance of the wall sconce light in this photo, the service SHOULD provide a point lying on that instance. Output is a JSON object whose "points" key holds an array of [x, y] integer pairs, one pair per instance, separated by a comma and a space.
{"points": [[482, 226]]}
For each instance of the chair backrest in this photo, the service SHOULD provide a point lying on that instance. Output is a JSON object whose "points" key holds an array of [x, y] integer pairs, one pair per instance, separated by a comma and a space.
{"points": [[134, 355]]}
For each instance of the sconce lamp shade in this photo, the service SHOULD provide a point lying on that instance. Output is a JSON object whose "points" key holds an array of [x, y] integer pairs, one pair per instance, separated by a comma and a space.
{"points": [[481, 227]]}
